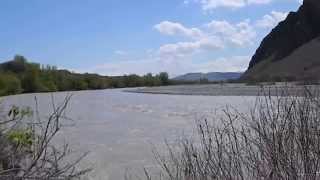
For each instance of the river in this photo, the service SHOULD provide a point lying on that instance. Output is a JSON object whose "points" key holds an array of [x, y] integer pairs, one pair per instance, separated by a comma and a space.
{"points": [[119, 129]]}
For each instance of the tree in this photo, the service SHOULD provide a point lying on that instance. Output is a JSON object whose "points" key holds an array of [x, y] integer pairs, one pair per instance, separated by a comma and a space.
{"points": [[9, 84], [33, 77], [31, 81], [164, 78], [132, 80], [148, 80], [79, 84], [17, 65]]}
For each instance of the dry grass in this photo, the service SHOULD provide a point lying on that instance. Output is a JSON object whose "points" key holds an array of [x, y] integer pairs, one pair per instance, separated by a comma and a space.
{"points": [[278, 139]]}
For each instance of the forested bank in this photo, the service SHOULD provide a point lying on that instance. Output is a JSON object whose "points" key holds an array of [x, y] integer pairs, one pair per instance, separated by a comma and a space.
{"points": [[20, 76]]}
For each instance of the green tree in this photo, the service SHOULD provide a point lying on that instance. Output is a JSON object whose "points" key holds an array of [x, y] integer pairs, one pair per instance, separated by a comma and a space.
{"points": [[9, 84], [79, 84], [148, 80], [17, 65], [33, 77], [164, 78], [31, 81], [50, 86]]}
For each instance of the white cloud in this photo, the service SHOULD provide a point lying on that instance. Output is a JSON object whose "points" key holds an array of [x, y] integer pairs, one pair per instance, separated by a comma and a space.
{"points": [[271, 20], [212, 4], [173, 28], [181, 49], [208, 5], [239, 34], [120, 52], [259, 1], [216, 35], [178, 58]]}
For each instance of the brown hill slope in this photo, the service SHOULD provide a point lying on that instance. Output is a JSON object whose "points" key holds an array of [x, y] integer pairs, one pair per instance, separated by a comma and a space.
{"points": [[277, 56]]}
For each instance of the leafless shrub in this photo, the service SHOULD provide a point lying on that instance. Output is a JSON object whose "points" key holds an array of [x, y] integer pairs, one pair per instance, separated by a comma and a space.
{"points": [[278, 139], [26, 148]]}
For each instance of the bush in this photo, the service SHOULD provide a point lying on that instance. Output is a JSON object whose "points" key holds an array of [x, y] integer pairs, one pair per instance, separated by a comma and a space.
{"points": [[31, 81], [9, 84], [50, 86], [26, 148], [164, 78], [79, 84], [278, 139]]}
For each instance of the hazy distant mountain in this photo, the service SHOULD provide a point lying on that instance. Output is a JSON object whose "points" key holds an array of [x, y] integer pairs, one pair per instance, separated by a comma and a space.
{"points": [[212, 76], [292, 49]]}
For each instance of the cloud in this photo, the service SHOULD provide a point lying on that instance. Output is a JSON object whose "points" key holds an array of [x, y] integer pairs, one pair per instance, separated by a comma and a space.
{"points": [[181, 49], [178, 58], [186, 2], [213, 36], [209, 5], [259, 1], [120, 52], [212, 4], [271, 20], [239, 34], [173, 28]]}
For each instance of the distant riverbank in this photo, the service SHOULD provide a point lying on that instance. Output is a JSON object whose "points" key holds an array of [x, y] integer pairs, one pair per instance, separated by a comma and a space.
{"points": [[232, 89]]}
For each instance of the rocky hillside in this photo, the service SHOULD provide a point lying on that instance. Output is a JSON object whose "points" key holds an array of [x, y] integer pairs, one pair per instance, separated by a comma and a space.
{"points": [[292, 48]]}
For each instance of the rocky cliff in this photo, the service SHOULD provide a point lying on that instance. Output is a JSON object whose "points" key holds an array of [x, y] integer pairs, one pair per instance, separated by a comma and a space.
{"points": [[297, 30]]}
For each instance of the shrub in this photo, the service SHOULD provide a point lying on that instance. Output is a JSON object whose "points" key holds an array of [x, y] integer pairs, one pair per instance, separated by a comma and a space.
{"points": [[27, 151], [278, 139], [9, 84], [164, 78]]}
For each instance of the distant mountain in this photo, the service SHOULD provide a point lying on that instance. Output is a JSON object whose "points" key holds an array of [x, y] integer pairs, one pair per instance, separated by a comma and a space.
{"points": [[212, 76], [292, 49]]}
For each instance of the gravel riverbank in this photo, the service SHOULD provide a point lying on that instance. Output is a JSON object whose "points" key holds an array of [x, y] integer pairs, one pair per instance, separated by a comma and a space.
{"points": [[227, 89]]}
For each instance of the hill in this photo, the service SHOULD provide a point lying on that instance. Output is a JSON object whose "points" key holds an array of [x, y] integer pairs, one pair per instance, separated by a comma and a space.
{"points": [[212, 76], [291, 50]]}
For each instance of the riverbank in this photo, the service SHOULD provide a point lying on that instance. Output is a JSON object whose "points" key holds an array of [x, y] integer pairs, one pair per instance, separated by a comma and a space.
{"points": [[234, 89]]}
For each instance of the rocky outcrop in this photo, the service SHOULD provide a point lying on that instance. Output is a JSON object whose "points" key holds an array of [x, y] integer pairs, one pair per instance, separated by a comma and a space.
{"points": [[296, 30], [302, 64]]}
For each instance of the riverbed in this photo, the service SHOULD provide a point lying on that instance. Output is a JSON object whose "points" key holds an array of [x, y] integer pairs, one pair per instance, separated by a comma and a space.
{"points": [[230, 89]]}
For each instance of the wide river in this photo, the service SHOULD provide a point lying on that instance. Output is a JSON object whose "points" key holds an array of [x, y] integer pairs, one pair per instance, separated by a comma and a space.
{"points": [[119, 129]]}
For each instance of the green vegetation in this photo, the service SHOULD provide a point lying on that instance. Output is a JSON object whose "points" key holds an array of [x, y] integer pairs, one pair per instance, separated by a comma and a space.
{"points": [[21, 137], [27, 150], [9, 84], [21, 76]]}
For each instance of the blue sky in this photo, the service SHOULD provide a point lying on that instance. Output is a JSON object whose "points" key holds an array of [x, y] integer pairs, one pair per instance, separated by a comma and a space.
{"points": [[114, 37]]}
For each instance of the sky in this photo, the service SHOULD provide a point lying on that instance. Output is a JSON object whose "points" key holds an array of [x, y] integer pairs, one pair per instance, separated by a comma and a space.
{"points": [[116, 37]]}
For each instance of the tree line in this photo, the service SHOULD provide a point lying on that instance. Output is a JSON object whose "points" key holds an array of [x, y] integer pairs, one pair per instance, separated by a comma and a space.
{"points": [[20, 76]]}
